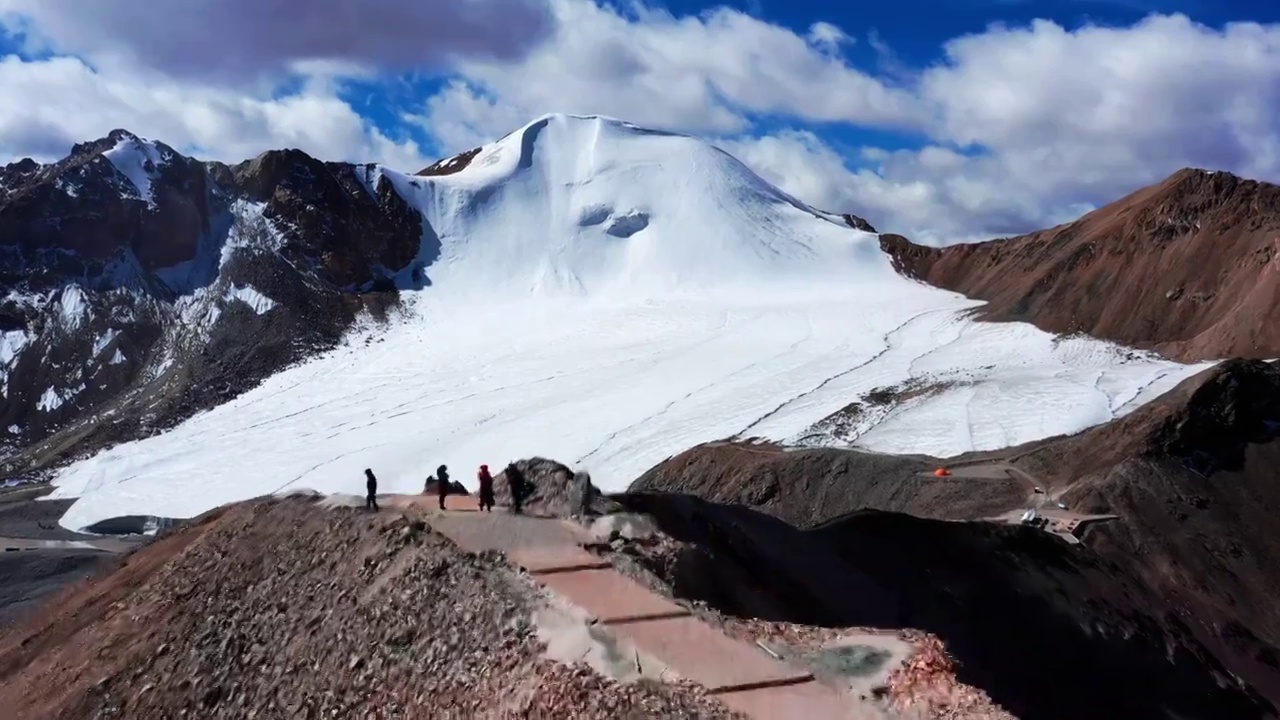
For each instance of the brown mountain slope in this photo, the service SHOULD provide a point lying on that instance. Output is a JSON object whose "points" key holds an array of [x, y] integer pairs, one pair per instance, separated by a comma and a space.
{"points": [[809, 486], [1191, 477], [1189, 267]]}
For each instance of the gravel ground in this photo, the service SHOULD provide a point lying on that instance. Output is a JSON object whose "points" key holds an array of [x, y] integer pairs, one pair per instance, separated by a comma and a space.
{"points": [[278, 608]]}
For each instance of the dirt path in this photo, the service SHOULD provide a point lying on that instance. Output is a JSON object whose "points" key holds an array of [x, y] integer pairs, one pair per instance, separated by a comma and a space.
{"points": [[653, 630]]}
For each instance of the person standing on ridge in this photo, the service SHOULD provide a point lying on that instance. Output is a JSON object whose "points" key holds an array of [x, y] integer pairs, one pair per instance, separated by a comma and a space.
{"points": [[371, 490], [442, 483], [515, 481], [583, 494], [486, 488]]}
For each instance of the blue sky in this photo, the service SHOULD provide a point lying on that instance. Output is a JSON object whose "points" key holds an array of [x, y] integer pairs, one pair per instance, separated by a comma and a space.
{"points": [[946, 120], [911, 33]]}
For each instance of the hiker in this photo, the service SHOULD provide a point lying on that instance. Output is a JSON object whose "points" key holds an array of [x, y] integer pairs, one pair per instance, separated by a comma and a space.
{"points": [[583, 494], [442, 483], [486, 488], [515, 481], [371, 489]]}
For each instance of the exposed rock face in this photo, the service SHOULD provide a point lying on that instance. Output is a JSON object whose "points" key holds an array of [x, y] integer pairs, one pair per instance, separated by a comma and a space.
{"points": [[1188, 267], [857, 223], [138, 286], [450, 165]]}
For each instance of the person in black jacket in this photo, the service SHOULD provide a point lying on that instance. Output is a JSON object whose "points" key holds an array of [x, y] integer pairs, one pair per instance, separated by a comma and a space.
{"points": [[371, 489], [442, 483], [515, 480]]}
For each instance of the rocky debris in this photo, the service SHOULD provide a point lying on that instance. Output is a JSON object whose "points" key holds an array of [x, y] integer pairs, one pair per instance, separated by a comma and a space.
{"points": [[924, 685], [576, 693], [1204, 243], [927, 680], [648, 558], [280, 608]]}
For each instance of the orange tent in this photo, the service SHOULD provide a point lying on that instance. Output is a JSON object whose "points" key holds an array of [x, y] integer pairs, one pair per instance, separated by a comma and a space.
{"points": [[941, 472]]}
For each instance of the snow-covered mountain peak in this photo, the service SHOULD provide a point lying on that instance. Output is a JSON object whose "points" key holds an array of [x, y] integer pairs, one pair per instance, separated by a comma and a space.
{"points": [[589, 205], [140, 161]]}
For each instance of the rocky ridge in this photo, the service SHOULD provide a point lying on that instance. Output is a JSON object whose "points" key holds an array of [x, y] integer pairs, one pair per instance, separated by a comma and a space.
{"points": [[282, 608], [138, 286], [1188, 267]]}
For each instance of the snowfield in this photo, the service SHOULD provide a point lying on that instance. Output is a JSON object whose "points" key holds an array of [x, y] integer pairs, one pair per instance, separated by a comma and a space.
{"points": [[608, 296]]}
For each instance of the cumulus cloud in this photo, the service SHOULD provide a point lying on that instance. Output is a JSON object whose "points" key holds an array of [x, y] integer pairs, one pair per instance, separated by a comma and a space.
{"points": [[76, 103], [1033, 126], [710, 73], [242, 40]]}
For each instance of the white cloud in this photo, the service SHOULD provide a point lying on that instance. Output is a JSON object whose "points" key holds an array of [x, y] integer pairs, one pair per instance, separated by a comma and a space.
{"points": [[1055, 123], [77, 104], [708, 73], [827, 37]]}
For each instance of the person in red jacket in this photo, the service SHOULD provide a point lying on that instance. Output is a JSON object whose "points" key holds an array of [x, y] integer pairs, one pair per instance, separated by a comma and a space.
{"points": [[486, 488]]}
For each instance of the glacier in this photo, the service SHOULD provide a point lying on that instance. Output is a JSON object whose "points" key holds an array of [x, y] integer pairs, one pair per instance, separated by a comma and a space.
{"points": [[609, 295]]}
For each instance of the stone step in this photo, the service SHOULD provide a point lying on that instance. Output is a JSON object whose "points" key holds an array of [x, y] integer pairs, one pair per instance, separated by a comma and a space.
{"points": [[610, 597], [700, 653], [806, 700]]}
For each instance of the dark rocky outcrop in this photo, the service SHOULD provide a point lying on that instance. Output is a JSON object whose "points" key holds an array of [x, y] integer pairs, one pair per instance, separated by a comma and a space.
{"points": [[1193, 478], [138, 286], [1047, 630], [552, 488], [450, 165], [857, 223]]}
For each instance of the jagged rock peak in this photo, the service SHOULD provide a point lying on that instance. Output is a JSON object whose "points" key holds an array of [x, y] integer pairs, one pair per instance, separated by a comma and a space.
{"points": [[857, 223]]}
